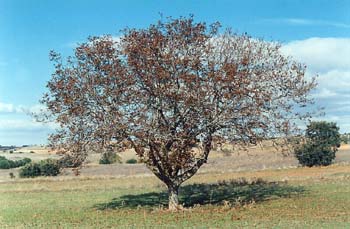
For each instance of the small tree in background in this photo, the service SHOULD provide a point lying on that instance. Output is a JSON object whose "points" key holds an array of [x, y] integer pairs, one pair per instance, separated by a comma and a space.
{"points": [[168, 90], [345, 138], [109, 157], [322, 142]]}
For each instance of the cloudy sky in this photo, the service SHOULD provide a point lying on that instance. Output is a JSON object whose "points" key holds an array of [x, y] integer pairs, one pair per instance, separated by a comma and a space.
{"points": [[315, 32]]}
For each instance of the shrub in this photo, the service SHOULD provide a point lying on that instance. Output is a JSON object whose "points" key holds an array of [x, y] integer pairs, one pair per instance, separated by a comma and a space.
{"points": [[26, 160], [30, 170], [8, 164], [109, 158], [31, 151], [131, 161], [322, 141], [48, 167], [345, 138], [13, 164], [311, 155], [5, 164], [104, 161], [67, 161], [11, 151]]}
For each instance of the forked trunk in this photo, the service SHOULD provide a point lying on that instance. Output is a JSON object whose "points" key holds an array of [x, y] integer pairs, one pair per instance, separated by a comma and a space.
{"points": [[173, 192]]}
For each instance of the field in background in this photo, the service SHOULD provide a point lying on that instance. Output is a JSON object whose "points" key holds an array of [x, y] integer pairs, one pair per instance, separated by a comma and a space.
{"points": [[269, 190], [221, 160]]}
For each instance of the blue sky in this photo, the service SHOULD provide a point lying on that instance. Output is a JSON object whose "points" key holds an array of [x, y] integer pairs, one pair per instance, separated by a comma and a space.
{"points": [[316, 32]]}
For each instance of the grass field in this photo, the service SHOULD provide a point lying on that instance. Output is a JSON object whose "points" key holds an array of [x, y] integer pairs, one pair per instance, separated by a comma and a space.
{"points": [[285, 198]]}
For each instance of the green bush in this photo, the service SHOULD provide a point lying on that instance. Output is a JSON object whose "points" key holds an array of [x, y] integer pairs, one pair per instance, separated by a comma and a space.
{"points": [[313, 155], [13, 164], [8, 164], [109, 158], [322, 142], [48, 167], [131, 161], [345, 138], [26, 160], [5, 164], [67, 161], [30, 170]]}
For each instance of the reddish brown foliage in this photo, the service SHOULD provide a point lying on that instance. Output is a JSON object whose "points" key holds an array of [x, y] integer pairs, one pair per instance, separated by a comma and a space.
{"points": [[171, 87]]}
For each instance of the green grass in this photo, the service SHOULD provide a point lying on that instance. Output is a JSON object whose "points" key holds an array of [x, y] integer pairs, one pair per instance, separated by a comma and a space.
{"points": [[111, 203]]}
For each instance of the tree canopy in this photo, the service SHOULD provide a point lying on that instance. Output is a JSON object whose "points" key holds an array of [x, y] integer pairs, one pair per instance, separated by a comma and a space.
{"points": [[169, 89]]}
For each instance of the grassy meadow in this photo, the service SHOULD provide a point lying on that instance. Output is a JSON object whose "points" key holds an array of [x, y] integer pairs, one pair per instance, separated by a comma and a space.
{"points": [[282, 198]]}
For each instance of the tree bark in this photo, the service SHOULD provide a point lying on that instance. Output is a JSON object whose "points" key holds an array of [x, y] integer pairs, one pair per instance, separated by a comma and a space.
{"points": [[173, 191]]}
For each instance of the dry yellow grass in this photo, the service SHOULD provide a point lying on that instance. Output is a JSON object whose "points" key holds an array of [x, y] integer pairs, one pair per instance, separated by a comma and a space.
{"points": [[36, 149], [344, 147], [254, 158], [301, 174]]}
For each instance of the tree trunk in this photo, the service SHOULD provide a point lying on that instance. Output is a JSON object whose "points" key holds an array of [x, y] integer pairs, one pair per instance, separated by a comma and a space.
{"points": [[173, 192]]}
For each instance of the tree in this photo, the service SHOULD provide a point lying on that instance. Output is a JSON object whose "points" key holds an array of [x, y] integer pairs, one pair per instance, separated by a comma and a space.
{"points": [[345, 138], [322, 142], [168, 90]]}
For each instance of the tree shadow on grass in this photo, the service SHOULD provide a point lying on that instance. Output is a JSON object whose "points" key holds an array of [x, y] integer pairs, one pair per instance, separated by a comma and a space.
{"points": [[232, 192]]}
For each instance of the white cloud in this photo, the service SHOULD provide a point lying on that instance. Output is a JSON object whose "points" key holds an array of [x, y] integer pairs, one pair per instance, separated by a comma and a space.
{"points": [[4, 107], [329, 58], [336, 78], [33, 109], [321, 54], [22, 125], [11, 108], [17, 127], [324, 93], [22, 130], [307, 22]]}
